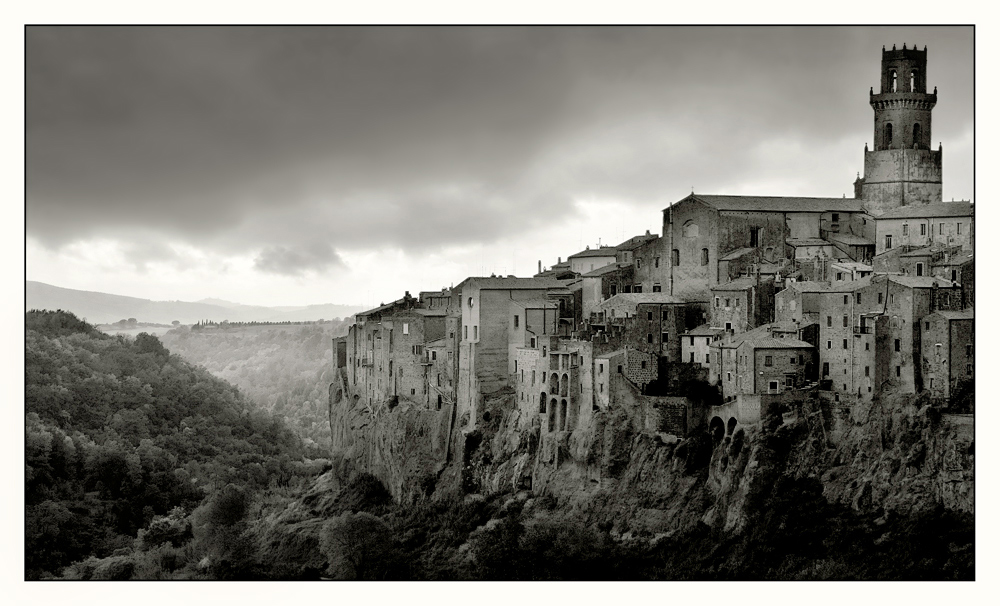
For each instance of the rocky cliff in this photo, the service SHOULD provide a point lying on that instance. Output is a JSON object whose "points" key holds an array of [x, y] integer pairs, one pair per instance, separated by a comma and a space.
{"points": [[898, 454]]}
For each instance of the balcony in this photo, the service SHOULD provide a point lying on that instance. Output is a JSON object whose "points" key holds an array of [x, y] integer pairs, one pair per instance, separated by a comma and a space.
{"points": [[862, 330]]}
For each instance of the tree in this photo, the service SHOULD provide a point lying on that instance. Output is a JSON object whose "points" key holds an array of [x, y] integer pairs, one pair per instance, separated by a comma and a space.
{"points": [[176, 323], [360, 547]]}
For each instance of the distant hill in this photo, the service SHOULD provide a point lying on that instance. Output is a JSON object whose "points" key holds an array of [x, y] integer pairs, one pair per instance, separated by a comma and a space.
{"points": [[100, 308]]}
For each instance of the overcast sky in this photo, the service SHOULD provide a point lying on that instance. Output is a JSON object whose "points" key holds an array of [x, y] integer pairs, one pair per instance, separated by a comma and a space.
{"points": [[287, 166]]}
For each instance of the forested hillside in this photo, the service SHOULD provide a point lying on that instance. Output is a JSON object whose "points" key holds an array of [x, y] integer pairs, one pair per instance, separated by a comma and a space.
{"points": [[283, 369], [130, 447]]}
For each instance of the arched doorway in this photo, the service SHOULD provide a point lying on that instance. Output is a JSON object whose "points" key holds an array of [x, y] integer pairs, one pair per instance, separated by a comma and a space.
{"points": [[717, 428]]}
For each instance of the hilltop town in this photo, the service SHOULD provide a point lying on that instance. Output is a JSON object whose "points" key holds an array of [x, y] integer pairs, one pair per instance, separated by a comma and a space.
{"points": [[739, 308]]}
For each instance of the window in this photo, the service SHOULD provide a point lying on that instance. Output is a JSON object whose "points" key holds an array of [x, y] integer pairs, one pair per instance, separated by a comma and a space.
{"points": [[434, 355], [675, 257], [867, 371], [532, 377], [845, 343], [649, 316], [533, 345], [475, 332], [792, 360], [888, 136], [859, 299], [704, 256], [954, 275], [923, 229], [846, 299], [465, 331], [729, 325], [665, 337], [829, 344], [920, 269], [958, 228], [729, 376], [836, 217], [601, 387], [845, 321], [868, 346], [544, 350], [470, 301], [649, 337], [906, 229], [717, 302], [968, 350], [879, 297], [892, 299], [896, 344], [663, 316], [707, 358], [656, 262], [727, 303], [614, 289], [897, 371], [406, 328], [940, 229], [840, 276], [754, 236], [829, 321], [637, 288], [772, 385], [656, 287], [968, 369], [768, 361], [516, 321], [888, 241], [619, 369], [789, 381], [643, 364], [826, 369], [638, 263]]}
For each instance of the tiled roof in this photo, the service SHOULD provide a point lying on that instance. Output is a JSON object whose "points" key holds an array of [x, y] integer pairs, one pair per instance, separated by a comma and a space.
{"points": [[853, 265], [636, 241], [786, 204], [600, 271], [774, 343], [498, 283], [736, 254], [922, 211], [604, 251], [703, 331], [920, 281], [636, 298], [809, 286], [807, 242], [738, 284]]}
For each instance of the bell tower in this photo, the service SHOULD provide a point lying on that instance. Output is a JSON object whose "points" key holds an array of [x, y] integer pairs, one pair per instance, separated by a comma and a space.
{"points": [[902, 169]]}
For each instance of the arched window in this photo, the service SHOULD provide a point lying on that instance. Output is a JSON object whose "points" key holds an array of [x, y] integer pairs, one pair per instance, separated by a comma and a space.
{"points": [[892, 81], [888, 136], [913, 81], [689, 229], [704, 256], [541, 403], [916, 134]]}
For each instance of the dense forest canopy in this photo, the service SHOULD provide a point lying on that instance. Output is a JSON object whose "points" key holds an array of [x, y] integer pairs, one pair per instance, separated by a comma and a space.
{"points": [[121, 434]]}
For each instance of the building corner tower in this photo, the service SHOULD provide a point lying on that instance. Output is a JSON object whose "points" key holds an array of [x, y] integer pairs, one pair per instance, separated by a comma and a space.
{"points": [[902, 169]]}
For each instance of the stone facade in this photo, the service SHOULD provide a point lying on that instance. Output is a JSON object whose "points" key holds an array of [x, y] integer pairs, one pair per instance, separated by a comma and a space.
{"points": [[947, 351]]}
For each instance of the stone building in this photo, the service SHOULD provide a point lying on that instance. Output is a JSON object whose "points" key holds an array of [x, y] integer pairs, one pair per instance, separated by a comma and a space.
{"points": [[742, 304], [604, 283], [700, 230], [943, 223], [487, 309], [696, 344], [902, 170], [766, 365], [590, 259], [948, 352]]}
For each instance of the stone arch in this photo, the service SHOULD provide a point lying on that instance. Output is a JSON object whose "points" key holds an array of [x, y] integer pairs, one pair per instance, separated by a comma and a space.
{"points": [[731, 426], [554, 384], [888, 136], [916, 134], [563, 410], [892, 81], [564, 385], [552, 414], [541, 403], [717, 428]]}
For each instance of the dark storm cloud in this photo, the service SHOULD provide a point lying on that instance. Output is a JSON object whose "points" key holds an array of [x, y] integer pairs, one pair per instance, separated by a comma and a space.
{"points": [[242, 138]]}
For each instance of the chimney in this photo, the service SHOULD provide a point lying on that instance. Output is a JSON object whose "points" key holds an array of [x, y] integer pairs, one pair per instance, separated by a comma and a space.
{"points": [[558, 260], [647, 232], [539, 266]]}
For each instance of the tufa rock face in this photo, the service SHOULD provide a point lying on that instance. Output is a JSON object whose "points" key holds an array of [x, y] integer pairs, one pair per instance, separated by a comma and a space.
{"points": [[891, 455]]}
